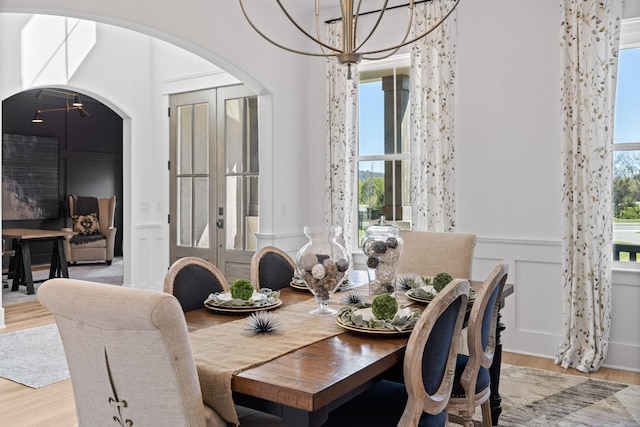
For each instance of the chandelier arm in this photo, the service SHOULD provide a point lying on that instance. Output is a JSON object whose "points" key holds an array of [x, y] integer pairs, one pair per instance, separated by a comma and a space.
{"points": [[396, 49], [319, 37], [382, 11], [398, 46], [67, 109], [302, 30], [354, 30], [264, 36]]}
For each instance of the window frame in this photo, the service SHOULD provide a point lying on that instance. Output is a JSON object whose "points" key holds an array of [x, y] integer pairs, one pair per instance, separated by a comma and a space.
{"points": [[629, 39], [394, 63]]}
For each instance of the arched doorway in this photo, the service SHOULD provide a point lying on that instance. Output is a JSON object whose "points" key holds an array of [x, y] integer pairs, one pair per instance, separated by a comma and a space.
{"points": [[89, 161]]}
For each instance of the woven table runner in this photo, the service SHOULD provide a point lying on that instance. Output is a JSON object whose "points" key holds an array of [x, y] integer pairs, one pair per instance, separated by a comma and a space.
{"points": [[222, 350]]}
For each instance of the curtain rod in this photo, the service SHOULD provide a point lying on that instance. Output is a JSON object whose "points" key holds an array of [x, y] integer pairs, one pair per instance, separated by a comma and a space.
{"points": [[329, 21]]}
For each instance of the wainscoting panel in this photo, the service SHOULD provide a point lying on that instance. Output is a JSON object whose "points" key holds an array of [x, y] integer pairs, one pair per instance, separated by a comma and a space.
{"points": [[148, 264], [533, 314]]}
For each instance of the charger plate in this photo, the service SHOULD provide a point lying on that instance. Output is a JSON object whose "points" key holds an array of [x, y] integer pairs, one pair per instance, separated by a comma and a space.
{"points": [[411, 294], [303, 287], [225, 299], [241, 309], [367, 314]]}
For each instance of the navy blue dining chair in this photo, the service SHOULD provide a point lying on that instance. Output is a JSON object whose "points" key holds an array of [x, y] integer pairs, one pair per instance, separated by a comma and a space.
{"points": [[472, 383], [191, 280], [272, 268], [428, 370]]}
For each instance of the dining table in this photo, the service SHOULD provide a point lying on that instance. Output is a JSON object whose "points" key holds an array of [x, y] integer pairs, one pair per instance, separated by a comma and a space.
{"points": [[20, 264], [308, 367]]}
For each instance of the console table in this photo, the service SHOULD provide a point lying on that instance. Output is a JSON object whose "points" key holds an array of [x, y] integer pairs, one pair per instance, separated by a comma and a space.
{"points": [[21, 263]]}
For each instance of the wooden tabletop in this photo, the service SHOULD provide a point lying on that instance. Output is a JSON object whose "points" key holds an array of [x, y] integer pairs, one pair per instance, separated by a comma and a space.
{"points": [[319, 376], [32, 233]]}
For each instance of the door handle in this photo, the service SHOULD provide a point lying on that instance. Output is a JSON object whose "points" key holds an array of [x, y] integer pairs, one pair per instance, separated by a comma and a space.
{"points": [[220, 223]]}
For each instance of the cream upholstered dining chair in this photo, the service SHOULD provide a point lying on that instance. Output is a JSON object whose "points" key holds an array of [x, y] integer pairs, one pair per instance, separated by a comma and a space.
{"points": [[428, 253], [129, 357], [272, 268], [429, 367], [191, 280], [93, 221], [472, 384]]}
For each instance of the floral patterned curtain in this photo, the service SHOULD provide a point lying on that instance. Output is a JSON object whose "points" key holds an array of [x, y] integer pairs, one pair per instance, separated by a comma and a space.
{"points": [[590, 35], [342, 113], [433, 63]]}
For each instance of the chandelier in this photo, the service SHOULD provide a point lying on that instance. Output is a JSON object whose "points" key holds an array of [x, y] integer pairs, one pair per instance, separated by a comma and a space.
{"points": [[72, 102], [351, 51]]}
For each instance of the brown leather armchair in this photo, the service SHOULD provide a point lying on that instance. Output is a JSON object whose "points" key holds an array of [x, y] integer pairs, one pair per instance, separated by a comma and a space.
{"points": [[95, 247]]}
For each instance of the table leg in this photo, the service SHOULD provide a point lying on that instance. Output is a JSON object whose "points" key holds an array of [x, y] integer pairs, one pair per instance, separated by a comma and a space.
{"points": [[494, 372], [58, 261], [62, 259], [53, 267], [295, 417], [15, 265], [26, 267]]}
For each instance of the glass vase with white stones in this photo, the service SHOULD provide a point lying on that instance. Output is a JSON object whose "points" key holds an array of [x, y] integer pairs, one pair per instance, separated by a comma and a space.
{"points": [[323, 265], [382, 247]]}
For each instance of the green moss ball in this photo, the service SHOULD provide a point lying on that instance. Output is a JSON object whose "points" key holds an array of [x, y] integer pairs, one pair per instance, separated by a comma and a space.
{"points": [[441, 280], [384, 307], [241, 289]]}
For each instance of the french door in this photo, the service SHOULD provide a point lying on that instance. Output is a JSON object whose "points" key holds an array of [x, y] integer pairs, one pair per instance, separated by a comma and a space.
{"points": [[214, 172]]}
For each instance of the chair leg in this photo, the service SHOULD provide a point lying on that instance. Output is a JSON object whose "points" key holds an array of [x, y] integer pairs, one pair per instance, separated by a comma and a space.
{"points": [[486, 413]]}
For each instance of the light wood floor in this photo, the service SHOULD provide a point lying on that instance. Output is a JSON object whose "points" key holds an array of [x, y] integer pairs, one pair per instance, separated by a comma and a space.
{"points": [[53, 406]]}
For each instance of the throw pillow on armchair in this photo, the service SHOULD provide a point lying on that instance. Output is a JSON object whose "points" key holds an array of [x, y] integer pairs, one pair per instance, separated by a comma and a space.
{"points": [[86, 225]]}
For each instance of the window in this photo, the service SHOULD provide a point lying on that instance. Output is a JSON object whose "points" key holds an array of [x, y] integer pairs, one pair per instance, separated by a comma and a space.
{"points": [[383, 144], [626, 156]]}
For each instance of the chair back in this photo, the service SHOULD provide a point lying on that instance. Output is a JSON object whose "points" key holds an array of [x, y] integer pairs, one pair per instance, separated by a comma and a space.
{"points": [[428, 253], [430, 358], [481, 331], [272, 268], [106, 211], [128, 353], [191, 280]]}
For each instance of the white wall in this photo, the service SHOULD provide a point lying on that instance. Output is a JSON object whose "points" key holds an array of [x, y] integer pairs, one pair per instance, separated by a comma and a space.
{"points": [[508, 136]]}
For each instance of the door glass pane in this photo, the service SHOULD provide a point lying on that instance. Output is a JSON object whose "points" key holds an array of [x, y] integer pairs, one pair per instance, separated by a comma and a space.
{"points": [[252, 119], [233, 218], [201, 139], [184, 211], [201, 212], [234, 136], [184, 139], [252, 216]]}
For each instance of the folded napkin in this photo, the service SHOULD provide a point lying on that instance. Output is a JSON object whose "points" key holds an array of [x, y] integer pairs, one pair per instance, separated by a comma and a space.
{"points": [[222, 350]]}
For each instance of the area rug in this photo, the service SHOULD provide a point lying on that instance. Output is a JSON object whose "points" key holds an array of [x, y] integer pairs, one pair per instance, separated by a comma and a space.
{"points": [[95, 272], [33, 357], [533, 397]]}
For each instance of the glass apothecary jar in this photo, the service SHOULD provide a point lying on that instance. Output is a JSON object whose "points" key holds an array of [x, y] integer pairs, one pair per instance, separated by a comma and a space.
{"points": [[382, 246], [323, 265]]}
